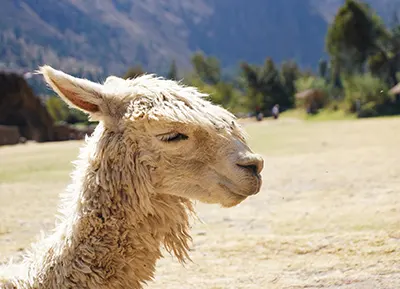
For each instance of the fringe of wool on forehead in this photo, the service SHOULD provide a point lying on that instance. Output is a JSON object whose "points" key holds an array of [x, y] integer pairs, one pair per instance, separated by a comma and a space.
{"points": [[161, 99]]}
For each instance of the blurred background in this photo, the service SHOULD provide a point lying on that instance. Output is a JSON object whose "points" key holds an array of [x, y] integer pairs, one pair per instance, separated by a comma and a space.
{"points": [[316, 55], [314, 82]]}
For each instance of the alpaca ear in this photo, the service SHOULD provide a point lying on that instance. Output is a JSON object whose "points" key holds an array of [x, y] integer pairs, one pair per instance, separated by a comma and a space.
{"points": [[79, 93]]}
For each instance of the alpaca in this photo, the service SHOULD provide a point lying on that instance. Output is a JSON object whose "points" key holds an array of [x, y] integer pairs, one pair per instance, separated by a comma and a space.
{"points": [[159, 145]]}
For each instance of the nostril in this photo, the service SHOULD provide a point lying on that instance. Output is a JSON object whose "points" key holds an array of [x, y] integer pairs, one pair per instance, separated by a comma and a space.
{"points": [[252, 168], [255, 164]]}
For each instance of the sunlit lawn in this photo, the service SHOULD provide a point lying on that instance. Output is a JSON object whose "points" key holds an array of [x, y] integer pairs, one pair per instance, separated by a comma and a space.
{"points": [[323, 115], [328, 215]]}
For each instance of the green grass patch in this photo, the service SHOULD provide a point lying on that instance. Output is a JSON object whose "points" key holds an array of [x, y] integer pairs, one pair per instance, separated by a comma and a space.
{"points": [[322, 115]]}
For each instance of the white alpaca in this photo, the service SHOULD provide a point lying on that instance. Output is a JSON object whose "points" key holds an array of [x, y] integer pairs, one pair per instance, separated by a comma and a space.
{"points": [[158, 145]]}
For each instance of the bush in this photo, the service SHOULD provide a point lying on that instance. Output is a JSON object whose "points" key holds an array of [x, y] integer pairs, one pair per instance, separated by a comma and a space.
{"points": [[57, 108], [60, 112], [371, 93], [311, 82], [368, 110], [318, 93]]}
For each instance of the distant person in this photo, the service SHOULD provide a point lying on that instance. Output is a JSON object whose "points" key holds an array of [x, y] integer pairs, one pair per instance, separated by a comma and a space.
{"points": [[259, 114], [275, 111]]}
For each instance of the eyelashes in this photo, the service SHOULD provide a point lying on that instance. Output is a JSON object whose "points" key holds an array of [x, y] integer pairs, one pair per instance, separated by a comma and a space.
{"points": [[172, 137]]}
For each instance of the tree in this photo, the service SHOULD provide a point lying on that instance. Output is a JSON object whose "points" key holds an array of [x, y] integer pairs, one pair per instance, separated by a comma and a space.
{"points": [[395, 37], [207, 68], [336, 81], [386, 62], [272, 87], [267, 85], [252, 85], [355, 33], [323, 68], [226, 94], [290, 72], [250, 75], [173, 71]]}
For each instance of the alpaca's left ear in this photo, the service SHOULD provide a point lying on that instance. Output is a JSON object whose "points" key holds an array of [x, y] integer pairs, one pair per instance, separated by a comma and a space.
{"points": [[79, 93]]}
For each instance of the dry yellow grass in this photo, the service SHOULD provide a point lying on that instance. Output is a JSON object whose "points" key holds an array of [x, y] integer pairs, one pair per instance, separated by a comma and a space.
{"points": [[328, 215]]}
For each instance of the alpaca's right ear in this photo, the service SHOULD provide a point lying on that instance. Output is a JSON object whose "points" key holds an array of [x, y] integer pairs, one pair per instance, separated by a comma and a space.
{"points": [[79, 93]]}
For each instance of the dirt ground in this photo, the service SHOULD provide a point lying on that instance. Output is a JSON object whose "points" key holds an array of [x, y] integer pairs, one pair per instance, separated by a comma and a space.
{"points": [[328, 215]]}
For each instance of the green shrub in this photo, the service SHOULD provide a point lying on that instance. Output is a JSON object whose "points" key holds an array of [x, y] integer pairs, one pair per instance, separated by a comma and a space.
{"points": [[318, 98], [368, 109], [311, 82], [60, 112], [57, 108], [370, 91]]}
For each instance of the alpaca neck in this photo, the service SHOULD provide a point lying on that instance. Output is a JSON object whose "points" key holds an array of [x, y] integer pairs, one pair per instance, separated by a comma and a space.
{"points": [[110, 234]]}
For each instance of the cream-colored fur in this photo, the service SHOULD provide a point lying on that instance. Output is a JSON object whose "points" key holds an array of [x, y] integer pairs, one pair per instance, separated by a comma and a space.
{"points": [[158, 145]]}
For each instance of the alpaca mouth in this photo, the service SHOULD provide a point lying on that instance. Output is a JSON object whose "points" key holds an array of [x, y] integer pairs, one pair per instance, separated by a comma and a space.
{"points": [[259, 183], [244, 193], [253, 188]]}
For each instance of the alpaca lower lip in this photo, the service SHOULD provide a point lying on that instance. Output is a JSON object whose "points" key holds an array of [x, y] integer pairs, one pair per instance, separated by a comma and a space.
{"points": [[242, 193], [259, 183], [258, 187]]}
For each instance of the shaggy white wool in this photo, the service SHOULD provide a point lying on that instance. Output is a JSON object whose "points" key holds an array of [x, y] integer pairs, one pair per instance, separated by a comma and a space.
{"points": [[158, 145]]}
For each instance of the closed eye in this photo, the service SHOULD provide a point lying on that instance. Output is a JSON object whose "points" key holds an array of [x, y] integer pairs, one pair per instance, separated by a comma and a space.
{"points": [[172, 137]]}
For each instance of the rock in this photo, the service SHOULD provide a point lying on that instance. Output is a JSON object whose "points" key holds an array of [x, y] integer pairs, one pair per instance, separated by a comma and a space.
{"points": [[9, 135], [20, 107]]}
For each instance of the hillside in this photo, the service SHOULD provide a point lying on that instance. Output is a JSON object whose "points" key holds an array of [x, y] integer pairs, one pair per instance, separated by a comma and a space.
{"points": [[95, 38]]}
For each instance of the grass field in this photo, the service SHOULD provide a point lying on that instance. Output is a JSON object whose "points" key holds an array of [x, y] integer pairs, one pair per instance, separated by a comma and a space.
{"points": [[328, 215]]}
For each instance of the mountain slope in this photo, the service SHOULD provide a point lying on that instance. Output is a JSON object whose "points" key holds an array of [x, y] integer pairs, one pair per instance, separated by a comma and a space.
{"points": [[96, 37], [280, 29]]}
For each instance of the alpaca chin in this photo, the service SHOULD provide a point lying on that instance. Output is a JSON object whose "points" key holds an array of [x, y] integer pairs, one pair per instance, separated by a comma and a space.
{"points": [[233, 203]]}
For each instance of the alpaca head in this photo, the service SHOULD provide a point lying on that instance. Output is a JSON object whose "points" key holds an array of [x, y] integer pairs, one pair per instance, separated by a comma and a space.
{"points": [[189, 147]]}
